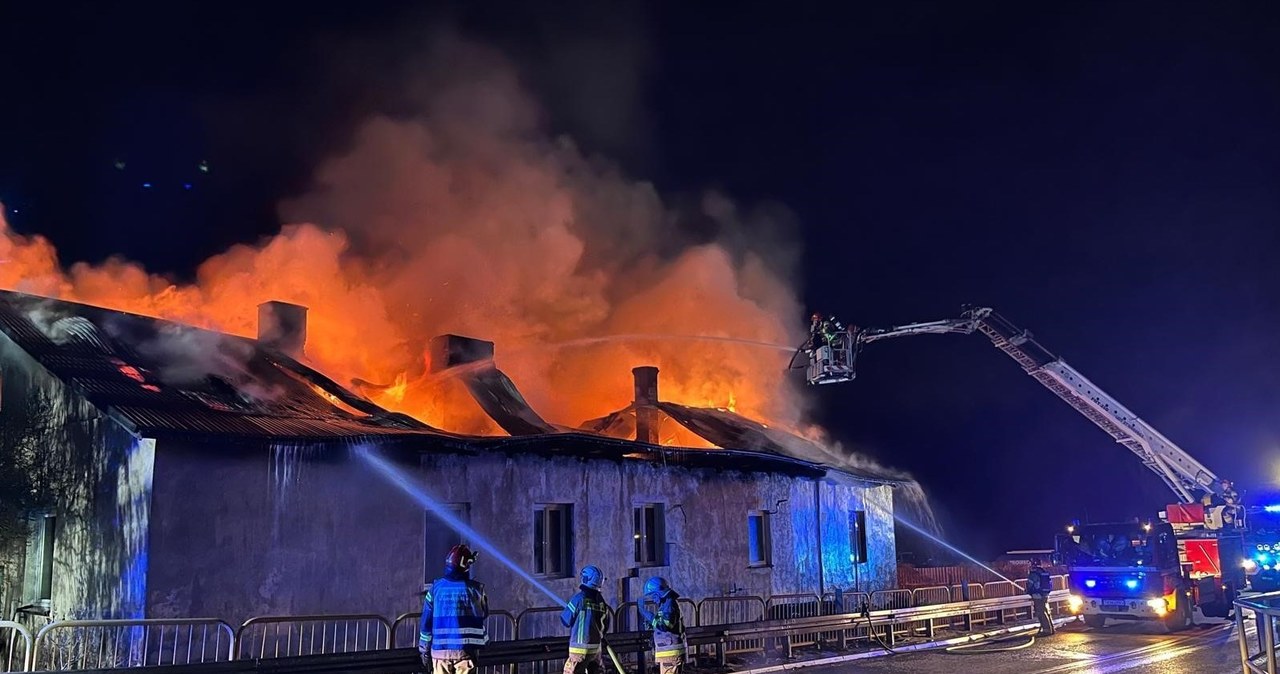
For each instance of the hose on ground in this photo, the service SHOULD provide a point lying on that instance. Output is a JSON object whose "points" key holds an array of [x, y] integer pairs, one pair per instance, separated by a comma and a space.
{"points": [[871, 630], [973, 647]]}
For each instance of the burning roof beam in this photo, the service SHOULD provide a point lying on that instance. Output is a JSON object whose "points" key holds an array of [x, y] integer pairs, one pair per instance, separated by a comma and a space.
{"points": [[496, 394]]}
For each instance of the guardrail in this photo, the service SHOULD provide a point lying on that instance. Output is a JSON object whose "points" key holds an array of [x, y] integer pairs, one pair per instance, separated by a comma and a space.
{"points": [[718, 626], [1265, 609]]}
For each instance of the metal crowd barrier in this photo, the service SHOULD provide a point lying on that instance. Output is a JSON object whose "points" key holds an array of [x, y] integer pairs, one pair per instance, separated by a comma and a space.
{"points": [[719, 625], [931, 596], [17, 635], [885, 600], [725, 610], [797, 606], [95, 644], [262, 637]]}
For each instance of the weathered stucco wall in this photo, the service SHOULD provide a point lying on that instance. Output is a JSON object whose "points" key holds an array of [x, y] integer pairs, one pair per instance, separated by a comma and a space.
{"points": [[100, 477], [237, 533]]}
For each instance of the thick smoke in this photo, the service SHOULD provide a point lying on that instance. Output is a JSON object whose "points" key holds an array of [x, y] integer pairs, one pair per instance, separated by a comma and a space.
{"points": [[466, 215]]}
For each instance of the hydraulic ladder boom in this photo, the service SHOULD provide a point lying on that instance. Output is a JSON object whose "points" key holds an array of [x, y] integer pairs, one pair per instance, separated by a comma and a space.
{"points": [[1181, 471]]}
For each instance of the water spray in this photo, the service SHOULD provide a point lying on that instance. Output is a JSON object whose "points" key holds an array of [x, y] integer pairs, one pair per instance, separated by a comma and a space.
{"points": [[947, 545], [415, 491], [587, 341]]}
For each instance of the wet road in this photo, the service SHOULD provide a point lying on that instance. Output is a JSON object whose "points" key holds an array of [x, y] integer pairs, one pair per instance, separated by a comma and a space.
{"points": [[1121, 647]]}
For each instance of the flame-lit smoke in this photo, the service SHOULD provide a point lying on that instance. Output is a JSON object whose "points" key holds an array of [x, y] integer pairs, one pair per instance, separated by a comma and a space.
{"points": [[470, 218]]}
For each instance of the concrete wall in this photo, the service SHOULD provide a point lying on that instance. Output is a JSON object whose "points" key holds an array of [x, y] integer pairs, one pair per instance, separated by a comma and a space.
{"points": [[100, 480], [296, 530]]}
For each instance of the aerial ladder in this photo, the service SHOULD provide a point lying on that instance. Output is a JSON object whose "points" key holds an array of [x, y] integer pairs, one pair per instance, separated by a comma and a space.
{"points": [[833, 357], [1209, 543]]}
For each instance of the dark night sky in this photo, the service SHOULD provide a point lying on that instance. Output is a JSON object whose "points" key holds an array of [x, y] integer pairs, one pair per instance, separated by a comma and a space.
{"points": [[1106, 175]]}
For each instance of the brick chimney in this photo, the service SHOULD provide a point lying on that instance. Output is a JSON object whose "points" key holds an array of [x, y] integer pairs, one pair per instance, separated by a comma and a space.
{"points": [[453, 350], [282, 326], [646, 404]]}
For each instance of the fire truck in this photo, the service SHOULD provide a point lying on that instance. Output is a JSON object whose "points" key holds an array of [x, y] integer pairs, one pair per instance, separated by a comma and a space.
{"points": [[1193, 556]]}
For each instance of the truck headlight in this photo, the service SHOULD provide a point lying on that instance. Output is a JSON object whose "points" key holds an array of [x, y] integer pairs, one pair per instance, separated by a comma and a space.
{"points": [[1075, 603], [1250, 566], [1160, 606]]}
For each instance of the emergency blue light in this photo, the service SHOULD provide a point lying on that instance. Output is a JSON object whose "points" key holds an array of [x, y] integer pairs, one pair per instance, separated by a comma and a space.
{"points": [[1132, 583], [1272, 508], [1262, 557], [1091, 583]]}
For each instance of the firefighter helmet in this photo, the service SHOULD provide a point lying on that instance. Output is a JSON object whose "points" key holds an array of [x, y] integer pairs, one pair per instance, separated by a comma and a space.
{"points": [[592, 577], [655, 586], [816, 317], [460, 557]]}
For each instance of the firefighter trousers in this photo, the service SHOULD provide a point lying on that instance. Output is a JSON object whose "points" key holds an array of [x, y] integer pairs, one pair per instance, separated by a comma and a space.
{"points": [[582, 663]]}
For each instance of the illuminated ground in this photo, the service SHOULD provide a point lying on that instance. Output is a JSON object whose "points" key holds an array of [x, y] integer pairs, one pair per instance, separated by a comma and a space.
{"points": [[1209, 648]]}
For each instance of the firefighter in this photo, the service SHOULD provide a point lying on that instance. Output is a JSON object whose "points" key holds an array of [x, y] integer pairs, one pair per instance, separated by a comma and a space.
{"points": [[1230, 496], [815, 330], [452, 629], [587, 617], [668, 628], [1039, 585]]}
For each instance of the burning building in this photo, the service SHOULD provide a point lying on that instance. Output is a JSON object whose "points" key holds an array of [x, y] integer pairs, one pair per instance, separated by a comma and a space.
{"points": [[184, 472]]}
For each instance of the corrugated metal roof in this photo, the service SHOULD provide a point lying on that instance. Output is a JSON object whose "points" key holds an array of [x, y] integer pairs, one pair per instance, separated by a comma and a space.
{"points": [[232, 387], [159, 376]]}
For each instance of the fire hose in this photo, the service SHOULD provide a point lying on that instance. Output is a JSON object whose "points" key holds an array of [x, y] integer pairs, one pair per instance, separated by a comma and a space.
{"points": [[971, 648], [871, 630], [612, 655]]}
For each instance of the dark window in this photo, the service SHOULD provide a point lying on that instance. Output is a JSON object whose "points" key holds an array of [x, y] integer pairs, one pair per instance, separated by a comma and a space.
{"points": [[553, 540], [650, 535], [759, 539], [38, 574], [440, 537], [858, 537]]}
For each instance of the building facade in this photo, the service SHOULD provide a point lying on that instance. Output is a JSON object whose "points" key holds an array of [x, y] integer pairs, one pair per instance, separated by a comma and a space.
{"points": [[180, 497]]}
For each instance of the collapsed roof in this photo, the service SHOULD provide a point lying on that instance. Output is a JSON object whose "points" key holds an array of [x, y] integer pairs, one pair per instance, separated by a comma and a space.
{"points": [[161, 378]]}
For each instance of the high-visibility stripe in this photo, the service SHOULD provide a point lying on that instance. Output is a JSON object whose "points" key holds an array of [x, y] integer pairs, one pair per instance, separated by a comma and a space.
{"points": [[670, 652], [584, 650]]}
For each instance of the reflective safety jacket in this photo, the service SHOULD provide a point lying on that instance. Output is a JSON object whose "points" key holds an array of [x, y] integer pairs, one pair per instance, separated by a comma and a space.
{"points": [[1039, 584], [587, 617], [668, 628], [453, 614]]}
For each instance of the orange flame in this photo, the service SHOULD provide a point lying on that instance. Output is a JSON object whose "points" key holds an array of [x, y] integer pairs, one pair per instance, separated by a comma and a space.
{"points": [[472, 221]]}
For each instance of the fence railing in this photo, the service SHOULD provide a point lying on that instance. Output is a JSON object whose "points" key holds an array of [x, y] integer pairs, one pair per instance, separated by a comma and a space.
{"points": [[284, 636], [102, 644], [17, 642], [1264, 610], [781, 606], [785, 621], [931, 596], [727, 610]]}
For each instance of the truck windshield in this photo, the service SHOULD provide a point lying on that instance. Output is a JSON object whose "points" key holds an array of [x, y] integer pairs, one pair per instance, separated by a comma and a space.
{"points": [[1109, 546]]}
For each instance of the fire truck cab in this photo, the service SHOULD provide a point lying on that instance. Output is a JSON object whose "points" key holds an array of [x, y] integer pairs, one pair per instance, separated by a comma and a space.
{"points": [[1155, 571]]}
